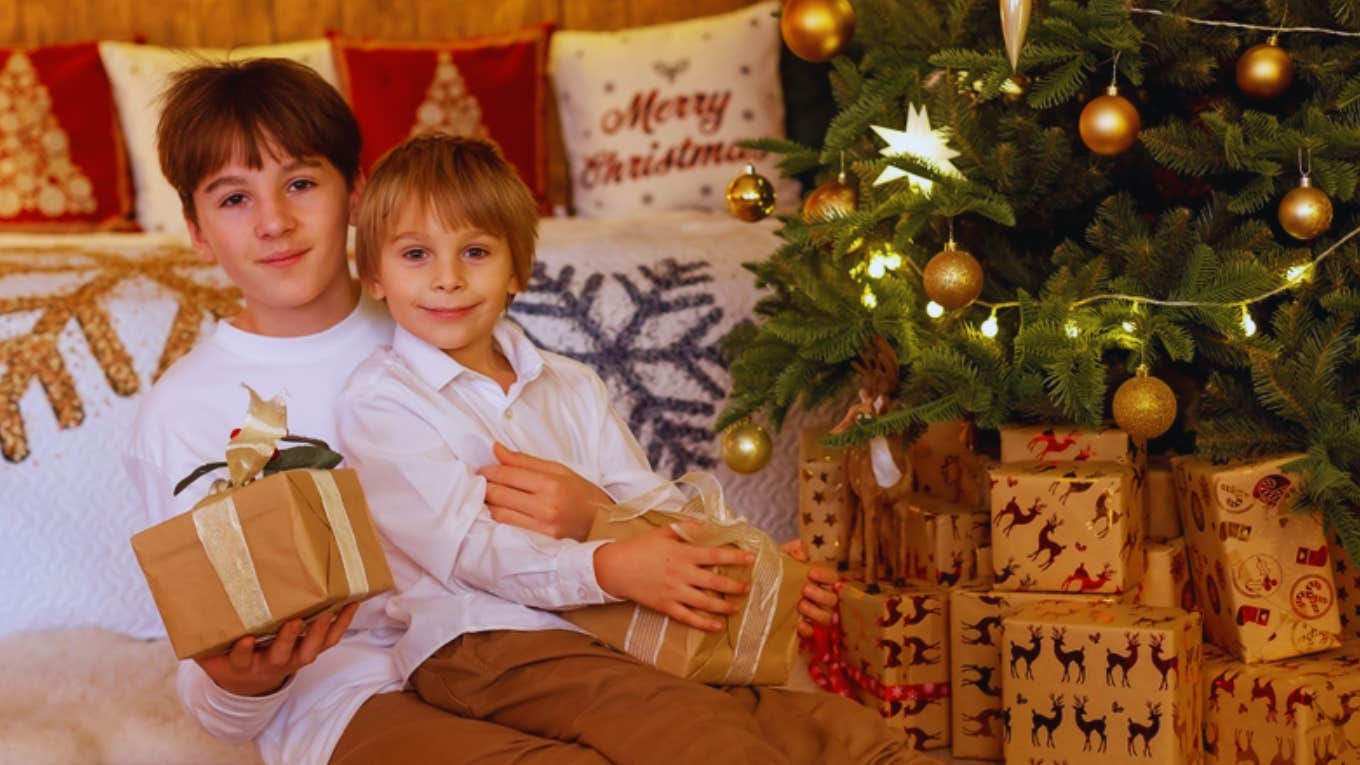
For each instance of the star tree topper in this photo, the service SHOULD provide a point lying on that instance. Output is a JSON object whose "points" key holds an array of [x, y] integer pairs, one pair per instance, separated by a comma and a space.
{"points": [[920, 141]]}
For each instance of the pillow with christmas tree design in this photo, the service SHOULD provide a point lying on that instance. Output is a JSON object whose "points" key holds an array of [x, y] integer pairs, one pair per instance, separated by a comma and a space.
{"points": [[651, 116], [62, 166], [489, 87]]}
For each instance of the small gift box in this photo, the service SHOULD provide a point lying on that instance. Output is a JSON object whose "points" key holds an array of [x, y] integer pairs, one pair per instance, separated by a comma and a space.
{"points": [[934, 541], [824, 513], [1296, 711], [1163, 517], [1166, 576], [1143, 688], [945, 466], [1066, 444], [896, 652], [1262, 573], [258, 552], [1066, 527], [756, 646], [976, 676], [1347, 578]]}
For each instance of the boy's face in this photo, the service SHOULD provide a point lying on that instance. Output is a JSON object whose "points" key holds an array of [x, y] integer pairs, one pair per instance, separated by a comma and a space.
{"points": [[447, 286], [279, 232]]}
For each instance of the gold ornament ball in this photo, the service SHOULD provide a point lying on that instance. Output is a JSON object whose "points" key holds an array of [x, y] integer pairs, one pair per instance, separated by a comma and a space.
{"points": [[1264, 71], [832, 199], [746, 447], [750, 196], [817, 30], [1305, 212], [1144, 406], [953, 278], [1109, 124]]}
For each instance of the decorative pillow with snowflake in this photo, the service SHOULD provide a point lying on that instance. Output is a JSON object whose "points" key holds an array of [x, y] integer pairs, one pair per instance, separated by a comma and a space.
{"points": [[62, 166], [140, 74], [489, 87], [651, 115]]}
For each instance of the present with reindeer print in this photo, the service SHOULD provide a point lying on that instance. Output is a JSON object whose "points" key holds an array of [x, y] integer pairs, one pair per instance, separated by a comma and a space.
{"points": [[934, 541], [1295, 711], [896, 653], [975, 671], [1137, 696], [1047, 443], [1066, 527], [1263, 573]]}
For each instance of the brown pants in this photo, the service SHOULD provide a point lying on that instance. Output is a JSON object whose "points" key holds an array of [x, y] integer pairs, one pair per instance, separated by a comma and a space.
{"points": [[563, 697]]}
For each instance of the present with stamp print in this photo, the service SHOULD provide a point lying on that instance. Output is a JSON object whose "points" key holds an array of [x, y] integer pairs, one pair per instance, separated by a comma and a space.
{"points": [[1066, 527], [286, 537], [757, 645], [1263, 576]]}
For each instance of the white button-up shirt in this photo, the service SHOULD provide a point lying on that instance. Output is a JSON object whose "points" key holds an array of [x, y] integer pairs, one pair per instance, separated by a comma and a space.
{"points": [[417, 425]]}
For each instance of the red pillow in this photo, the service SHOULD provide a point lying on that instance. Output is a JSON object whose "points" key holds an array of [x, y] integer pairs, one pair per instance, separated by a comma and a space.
{"points": [[62, 166], [491, 87]]}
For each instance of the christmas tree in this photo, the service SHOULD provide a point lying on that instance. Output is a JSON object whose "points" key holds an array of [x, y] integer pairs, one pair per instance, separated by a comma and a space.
{"points": [[1184, 247]]}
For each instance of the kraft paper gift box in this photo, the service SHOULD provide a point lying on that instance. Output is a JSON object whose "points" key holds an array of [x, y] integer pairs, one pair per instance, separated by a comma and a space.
{"points": [[975, 616], [934, 541], [756, 646], [1262, 574], [945, 466], [1163, 517], [1347, 578], [824, 512], [1166, 576], [896, 652], [1066, 527], [1065, 443], [1107, 682], [256, 553], [1296, 711]]}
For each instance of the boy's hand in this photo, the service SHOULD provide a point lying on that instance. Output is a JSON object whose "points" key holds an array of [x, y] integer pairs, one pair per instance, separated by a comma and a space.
{"points": [[541, 495], [248, 671], [665, 573], [819, 596]]}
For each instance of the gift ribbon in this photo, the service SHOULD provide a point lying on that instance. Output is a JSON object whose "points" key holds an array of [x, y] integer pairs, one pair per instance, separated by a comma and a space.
{"points": [[647, 630], [219, 530]]}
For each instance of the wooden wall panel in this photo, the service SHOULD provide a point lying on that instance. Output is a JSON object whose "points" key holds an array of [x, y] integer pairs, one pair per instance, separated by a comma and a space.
{"points": [[620, 14], [442, 20], [301, 21], [227, 23]]}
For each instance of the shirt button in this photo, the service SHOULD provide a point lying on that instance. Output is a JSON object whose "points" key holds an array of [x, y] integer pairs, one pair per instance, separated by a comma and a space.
{"points": [[507, 413]]}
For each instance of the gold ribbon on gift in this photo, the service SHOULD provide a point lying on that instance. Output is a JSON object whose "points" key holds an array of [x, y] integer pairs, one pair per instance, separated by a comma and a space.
{"points": [[219, 526], [647, 630]]}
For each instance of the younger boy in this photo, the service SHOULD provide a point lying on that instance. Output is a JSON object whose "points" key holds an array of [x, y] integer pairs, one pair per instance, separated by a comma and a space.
{"points": [[446, 237]]}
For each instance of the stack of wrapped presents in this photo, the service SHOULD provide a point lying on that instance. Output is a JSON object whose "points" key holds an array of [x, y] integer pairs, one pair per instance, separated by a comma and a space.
{"points": [[1070, 598]]}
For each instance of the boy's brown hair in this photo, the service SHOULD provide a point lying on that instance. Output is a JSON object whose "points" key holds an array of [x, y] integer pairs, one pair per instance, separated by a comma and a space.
{"points": [[214, 110], [463, 181]]}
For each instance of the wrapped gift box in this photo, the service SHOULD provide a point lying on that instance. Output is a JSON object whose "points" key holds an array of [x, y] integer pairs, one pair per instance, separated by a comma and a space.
{"points": [[721, 657], [945, 466], [1139, 700], [824, 513], [1347, 578], [1066, 444], [1166, 576], [896, 651], [934, 541], [245, 560], [1163, 517], [1262, 573], [976, 678], [1066, 527], [1296, 711]]}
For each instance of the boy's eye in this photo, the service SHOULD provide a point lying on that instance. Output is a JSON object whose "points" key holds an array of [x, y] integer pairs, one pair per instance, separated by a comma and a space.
{"points": [[301, 183], [415, 254], [476, 253], [233, 200]]}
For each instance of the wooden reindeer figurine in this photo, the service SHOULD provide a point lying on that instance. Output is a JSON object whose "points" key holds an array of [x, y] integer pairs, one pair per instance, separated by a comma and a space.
{"points": [[878, 372]]}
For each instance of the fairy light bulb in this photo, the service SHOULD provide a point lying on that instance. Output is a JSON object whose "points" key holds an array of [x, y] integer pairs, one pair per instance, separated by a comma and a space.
{"points": [[990, 327], [1298, 273], [1127, 327], [1248, 324], [934, 310], [868, 298], [1071, 329]]}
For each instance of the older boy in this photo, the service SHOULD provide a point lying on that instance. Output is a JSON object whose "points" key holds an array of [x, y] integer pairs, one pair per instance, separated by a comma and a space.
{"points": [[446, 237]]}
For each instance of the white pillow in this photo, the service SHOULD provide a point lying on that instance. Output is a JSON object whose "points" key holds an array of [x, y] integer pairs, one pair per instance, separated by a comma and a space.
{"points": [[139, 74], [630, 99]]}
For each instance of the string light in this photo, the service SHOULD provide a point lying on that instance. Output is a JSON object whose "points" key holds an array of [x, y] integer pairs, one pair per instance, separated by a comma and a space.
{"points": [[868, 298], [934, 310], [1240, 25], [1127, 326], [1298, 273], [990, 327], [1071, 329], [1248, 324]]}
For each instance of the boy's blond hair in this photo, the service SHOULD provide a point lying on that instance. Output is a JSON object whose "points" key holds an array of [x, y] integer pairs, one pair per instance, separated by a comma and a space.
{"points": [[463, 181]]}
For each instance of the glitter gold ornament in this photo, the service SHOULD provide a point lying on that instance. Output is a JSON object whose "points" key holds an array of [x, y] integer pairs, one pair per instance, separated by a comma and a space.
{"points": [[830, 200], [746, 447], [817, 30], [1305, 212], [1265, 71], [1109, 124], [953, 277], [750, 196], [1144, 406]]}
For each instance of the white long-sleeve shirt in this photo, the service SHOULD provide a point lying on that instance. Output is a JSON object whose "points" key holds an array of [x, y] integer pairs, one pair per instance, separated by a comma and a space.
{"points": [[417, 425]]}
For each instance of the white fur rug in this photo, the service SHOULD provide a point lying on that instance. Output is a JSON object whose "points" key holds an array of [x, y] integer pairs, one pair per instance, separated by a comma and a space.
{"points": [[87, 696]]}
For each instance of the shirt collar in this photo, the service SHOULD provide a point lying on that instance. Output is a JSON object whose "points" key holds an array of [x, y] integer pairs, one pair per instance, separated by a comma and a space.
{"points": [[437, 369]]}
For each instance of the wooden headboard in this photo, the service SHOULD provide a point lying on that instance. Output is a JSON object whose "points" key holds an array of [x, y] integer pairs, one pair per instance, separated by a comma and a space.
{"points": [[225, 23]]}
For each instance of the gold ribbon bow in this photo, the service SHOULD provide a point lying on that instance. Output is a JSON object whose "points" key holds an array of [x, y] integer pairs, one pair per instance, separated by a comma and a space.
{"points": [[647, 630]]}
